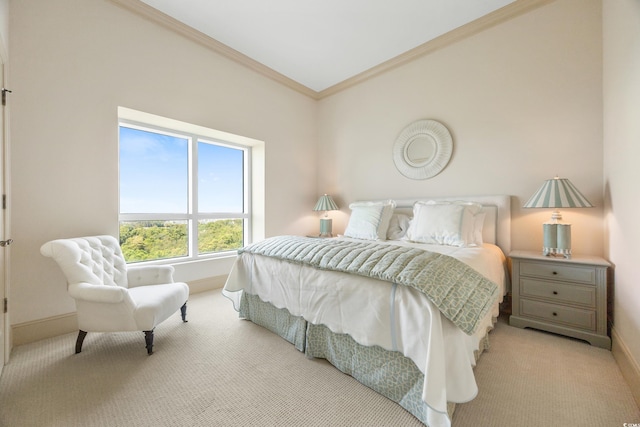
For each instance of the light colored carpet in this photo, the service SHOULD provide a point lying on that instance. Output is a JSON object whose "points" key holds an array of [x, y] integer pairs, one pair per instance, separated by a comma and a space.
{"points": [[218, 370]]}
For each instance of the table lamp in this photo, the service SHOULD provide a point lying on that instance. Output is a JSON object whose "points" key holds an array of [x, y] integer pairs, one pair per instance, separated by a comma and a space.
{"points": [[325, 203], [557, 193]]}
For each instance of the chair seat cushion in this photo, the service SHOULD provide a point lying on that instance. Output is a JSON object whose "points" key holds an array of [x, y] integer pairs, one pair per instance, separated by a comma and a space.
{"points": [[156, 303]]}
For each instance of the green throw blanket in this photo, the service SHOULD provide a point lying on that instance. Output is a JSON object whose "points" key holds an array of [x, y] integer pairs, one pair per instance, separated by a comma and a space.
{"points": [[463, 295]]}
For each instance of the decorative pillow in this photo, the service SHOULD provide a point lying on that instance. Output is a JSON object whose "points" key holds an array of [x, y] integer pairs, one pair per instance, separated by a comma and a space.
{"points": [[475, 234], [398, 226], [370, 220], [478, 225], [446, 223]]}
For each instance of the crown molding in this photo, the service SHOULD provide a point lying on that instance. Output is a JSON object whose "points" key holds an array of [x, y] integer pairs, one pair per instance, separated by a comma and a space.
{"points": [[496, 17], [192, 34]]}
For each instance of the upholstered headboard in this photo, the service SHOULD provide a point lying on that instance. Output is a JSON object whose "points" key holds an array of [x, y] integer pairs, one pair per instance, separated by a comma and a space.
{"points": [[497, 222]]}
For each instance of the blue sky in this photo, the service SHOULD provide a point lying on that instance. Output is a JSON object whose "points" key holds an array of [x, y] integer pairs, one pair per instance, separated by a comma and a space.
{"points": [[154, 174]]}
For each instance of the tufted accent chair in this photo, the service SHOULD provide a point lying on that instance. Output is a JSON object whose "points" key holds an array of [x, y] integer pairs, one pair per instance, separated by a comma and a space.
{"points": [[111, 296]]}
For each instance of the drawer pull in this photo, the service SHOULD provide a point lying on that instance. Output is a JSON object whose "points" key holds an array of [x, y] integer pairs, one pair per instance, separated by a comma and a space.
{"points": [[554, 273], [554, 313], [555, 292]]}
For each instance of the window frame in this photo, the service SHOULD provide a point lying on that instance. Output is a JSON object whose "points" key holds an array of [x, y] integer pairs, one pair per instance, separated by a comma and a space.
{"points": [[192, 215]]}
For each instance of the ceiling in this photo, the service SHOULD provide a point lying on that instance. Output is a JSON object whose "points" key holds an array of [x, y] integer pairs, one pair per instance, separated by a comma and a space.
{"points": [[319, 44]]}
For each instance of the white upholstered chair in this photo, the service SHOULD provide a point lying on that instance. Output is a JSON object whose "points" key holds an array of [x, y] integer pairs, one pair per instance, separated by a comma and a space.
{"points": [[111, 296]]}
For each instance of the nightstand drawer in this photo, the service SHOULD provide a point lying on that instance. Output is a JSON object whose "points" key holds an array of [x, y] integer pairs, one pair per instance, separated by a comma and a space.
{"points": [[559, 292], [556, 271], [576, 317]]}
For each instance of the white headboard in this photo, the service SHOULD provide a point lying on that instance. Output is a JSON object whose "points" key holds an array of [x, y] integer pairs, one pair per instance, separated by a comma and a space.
{"points": [[497, 222]]}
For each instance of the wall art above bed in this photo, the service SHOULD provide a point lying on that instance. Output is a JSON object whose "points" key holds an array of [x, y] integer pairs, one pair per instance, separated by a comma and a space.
{"points": [[423, 149]]}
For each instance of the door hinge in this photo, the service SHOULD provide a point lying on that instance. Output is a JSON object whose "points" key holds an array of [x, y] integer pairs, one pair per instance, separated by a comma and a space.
{"points": [[6, 305]]}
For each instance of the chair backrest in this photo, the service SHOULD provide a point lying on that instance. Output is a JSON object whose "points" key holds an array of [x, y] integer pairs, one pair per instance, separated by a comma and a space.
{"points": [[96, 259]]}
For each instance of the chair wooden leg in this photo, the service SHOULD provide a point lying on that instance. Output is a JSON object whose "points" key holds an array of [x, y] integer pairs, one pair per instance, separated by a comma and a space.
{"points": [[148, 339], [183, 312], [79, 341]]}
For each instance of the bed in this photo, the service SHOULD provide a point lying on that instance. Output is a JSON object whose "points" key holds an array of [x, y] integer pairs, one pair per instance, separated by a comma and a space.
{"points": [[403, 302]]}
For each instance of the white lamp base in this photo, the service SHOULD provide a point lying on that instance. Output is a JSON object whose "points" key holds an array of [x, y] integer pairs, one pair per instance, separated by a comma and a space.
{"points": [[325, 227]]}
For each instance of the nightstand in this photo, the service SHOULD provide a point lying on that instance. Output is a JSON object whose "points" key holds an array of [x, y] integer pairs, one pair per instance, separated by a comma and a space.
{"points": [[559, 295]]}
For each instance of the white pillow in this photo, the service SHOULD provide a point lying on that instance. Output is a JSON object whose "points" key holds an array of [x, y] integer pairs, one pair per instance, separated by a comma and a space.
{"points": [[474, 238], [478, 225], [446, 223], [398, 226], [370, 220]]}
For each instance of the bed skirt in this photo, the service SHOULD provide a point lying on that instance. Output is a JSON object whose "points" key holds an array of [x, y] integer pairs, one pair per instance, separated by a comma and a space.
{"points": [[277, 320], [387, 372]]}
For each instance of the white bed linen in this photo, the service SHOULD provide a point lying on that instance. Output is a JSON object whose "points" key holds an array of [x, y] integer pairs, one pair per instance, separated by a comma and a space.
{"points": [[375, 312]]}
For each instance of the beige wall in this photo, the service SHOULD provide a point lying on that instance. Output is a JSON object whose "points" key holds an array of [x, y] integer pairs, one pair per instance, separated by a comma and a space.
{"points": [[523, 101], [4, 28], [621, 23], [73, 63]]}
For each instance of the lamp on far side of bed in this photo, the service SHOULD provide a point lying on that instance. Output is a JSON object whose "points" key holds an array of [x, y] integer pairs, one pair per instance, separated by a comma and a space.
{"points": [[325, 203], [557, 193]]}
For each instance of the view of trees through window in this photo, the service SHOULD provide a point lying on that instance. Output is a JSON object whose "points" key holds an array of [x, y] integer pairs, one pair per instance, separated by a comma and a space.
{"points": [[182, 195], [153, 240]]}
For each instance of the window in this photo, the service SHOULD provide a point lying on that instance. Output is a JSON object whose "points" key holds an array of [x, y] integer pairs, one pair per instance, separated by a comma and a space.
{"points": [[182, 195]]}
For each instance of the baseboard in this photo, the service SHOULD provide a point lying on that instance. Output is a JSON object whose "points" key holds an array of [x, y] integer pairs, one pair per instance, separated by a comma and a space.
{"points": [[24, 333], [628, 365], [27, 332], [208, 284]]}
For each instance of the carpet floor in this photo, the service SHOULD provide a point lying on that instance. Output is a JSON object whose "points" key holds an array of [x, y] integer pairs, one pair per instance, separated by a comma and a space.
{"points": [[217, 370]]}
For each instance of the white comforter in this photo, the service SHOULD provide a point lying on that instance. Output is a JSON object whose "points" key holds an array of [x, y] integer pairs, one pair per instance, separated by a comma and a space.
{"points": [[375, 312]]}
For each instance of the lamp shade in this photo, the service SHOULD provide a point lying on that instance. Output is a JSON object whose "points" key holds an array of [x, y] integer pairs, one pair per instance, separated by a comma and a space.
{"points": [[558, 193], [325, 203]]}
